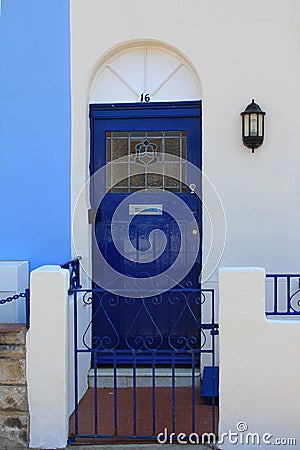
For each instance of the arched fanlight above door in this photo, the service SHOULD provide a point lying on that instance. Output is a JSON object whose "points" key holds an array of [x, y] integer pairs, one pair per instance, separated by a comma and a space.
{"points": [[145, 74]]}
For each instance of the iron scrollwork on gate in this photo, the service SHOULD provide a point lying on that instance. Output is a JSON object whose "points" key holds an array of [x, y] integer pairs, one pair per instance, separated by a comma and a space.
{"points": [[143, 329]]}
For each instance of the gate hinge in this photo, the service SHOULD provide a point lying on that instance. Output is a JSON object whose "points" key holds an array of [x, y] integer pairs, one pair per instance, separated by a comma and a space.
{"points": [[92, 215]]}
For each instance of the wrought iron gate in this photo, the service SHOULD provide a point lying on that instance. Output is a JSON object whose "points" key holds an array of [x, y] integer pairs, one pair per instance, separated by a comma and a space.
{"points": [[143, 398]]}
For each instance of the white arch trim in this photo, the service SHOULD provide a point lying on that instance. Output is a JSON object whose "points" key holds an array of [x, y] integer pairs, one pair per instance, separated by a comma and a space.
{"points": [[158, 72]]}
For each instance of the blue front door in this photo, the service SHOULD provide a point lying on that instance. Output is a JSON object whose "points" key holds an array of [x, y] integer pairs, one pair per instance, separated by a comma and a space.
{"points": [[131, 141]]}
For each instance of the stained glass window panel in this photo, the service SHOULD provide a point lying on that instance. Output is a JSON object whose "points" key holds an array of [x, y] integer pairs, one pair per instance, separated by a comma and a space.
{"points": [[132, 153]]}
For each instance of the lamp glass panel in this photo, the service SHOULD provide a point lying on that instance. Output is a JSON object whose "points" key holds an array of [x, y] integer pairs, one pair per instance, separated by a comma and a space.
{"points": [[253, 124], [260, 125], [246, 125]]}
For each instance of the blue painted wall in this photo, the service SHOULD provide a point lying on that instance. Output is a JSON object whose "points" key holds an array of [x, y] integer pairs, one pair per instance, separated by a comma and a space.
{"points": [[35, 131]]}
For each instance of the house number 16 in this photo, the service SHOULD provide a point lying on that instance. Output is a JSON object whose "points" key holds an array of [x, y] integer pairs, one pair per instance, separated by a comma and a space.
{"points": [[145, 98]]}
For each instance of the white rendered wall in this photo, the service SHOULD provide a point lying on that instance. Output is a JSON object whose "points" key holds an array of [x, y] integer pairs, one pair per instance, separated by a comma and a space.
{"points": [[258, 368], [239, 50], [47, 358]]}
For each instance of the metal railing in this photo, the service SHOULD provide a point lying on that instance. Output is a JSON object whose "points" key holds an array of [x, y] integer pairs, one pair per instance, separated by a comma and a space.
{"points": [[74, 268], [23, 295], [282, 294]]}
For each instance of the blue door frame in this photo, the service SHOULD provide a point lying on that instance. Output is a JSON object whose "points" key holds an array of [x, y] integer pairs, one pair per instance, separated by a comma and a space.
{"points": [[163, 320]]}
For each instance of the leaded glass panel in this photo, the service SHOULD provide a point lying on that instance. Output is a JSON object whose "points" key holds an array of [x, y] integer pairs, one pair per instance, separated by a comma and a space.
{"points": [[140, 149]]}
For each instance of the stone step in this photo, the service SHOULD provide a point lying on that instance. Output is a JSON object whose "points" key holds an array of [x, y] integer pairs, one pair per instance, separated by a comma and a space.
{"points": [[163, 377], [12, 333], [140, 447], [12, 351]]}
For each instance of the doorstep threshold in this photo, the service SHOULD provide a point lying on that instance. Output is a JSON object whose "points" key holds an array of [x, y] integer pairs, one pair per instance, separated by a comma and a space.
{"points": [[104, 377], [144, 372]]}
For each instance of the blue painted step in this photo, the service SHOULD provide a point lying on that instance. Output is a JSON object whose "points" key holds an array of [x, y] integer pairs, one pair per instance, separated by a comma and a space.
{"points": [[210, 385]]}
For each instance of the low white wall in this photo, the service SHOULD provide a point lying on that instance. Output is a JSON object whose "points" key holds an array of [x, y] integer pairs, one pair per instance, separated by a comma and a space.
{"points": [[259, 365], [47, 358]]}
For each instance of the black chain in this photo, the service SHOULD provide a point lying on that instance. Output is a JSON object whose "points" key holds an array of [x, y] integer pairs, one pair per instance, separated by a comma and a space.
{"points": [[10, 299]]}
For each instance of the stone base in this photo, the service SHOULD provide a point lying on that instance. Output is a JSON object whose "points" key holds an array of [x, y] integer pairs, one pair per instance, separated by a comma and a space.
{"points": [[14, 420], [7, 444], [14, 430]]}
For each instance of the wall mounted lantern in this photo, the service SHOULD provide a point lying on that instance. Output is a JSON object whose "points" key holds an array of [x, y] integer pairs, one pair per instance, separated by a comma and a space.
{"points": [[253, 126]]}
